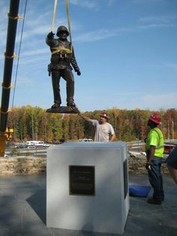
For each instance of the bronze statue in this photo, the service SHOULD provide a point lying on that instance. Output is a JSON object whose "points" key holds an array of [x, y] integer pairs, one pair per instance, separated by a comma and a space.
{"points": [[63, 61]]}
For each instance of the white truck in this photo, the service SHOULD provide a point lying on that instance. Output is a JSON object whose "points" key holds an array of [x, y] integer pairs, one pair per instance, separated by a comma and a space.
{"points": [[35, 143]]}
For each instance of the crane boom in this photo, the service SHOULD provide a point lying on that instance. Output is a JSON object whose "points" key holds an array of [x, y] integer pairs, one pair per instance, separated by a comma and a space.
{"points": [[8, 65]]}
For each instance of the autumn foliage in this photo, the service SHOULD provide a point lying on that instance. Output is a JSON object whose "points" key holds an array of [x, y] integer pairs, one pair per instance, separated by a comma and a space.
{"points": [[34, 123]]}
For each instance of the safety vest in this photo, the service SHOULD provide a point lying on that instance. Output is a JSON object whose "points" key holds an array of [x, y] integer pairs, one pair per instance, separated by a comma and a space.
{"points": [[155, 138]]}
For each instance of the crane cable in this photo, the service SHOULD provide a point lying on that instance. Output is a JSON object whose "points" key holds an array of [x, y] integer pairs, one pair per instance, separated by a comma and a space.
{"points": [[10, 130], [68, 18], [18, 58]]}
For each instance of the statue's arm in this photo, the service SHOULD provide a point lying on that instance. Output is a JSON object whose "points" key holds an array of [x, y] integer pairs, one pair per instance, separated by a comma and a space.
{"points": [[74, 63], [50, 41]]}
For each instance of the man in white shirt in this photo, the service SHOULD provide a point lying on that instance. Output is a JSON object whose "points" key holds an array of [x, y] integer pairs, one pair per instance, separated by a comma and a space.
{"points": [[104, 131]]}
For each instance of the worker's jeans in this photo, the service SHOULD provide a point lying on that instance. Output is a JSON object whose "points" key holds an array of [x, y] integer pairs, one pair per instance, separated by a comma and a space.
{"points": [[155, 178]]}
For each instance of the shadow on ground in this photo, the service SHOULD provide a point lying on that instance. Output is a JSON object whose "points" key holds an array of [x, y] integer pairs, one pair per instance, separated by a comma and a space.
{"points": [[38, 203]]}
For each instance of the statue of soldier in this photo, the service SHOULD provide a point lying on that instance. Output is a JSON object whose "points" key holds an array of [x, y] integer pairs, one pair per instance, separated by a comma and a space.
{"points": [[62, 63]]}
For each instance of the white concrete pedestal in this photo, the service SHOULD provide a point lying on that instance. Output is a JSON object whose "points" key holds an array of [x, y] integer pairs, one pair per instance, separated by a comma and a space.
{"points": [[94, 199]]}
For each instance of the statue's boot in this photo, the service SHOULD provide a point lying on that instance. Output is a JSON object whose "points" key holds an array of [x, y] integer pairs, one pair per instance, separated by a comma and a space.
{"points": [[55, 106]]}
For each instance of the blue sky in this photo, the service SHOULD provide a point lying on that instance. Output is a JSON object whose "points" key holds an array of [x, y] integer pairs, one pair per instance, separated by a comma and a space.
{"points": [[126, 51]]}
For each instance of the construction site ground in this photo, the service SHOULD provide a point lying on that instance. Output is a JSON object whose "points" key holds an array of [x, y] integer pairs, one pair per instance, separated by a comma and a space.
{"points": [[23, 209]]}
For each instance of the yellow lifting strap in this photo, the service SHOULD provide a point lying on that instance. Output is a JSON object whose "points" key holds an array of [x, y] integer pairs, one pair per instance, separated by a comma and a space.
{"points": [[57, 50], [68, 19], [54, 15]]}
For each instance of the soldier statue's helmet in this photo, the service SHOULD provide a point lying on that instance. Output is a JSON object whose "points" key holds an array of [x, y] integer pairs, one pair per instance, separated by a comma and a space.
{"points": [[62, 28]]}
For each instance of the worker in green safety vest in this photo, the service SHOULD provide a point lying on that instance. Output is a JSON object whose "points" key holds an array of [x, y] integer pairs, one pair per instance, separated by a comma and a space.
{"points": [[155, 156]]}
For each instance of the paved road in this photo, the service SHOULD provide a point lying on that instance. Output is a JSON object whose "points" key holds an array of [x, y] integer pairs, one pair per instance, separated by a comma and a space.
{"points": [[23, 210]]}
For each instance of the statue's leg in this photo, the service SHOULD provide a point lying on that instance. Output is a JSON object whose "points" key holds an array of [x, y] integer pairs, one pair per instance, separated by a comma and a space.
{"points": [[69, 78], [56, 88]]}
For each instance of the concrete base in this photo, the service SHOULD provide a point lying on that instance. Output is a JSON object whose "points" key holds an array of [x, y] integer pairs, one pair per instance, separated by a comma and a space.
{"points": [[104, 209]]}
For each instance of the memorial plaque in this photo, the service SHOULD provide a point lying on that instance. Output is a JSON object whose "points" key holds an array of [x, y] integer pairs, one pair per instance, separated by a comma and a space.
{"points": [[82, 180]]}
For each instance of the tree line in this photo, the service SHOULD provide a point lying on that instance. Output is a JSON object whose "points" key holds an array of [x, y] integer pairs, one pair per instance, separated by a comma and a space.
{"points": [[34, 123]]}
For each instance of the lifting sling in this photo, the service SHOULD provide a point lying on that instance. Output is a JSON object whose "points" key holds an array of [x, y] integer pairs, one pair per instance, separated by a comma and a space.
{"points": [[68, 18]]}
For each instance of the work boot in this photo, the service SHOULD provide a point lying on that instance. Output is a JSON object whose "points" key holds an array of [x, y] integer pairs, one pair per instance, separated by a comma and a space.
{"points": [[154, 201]]}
